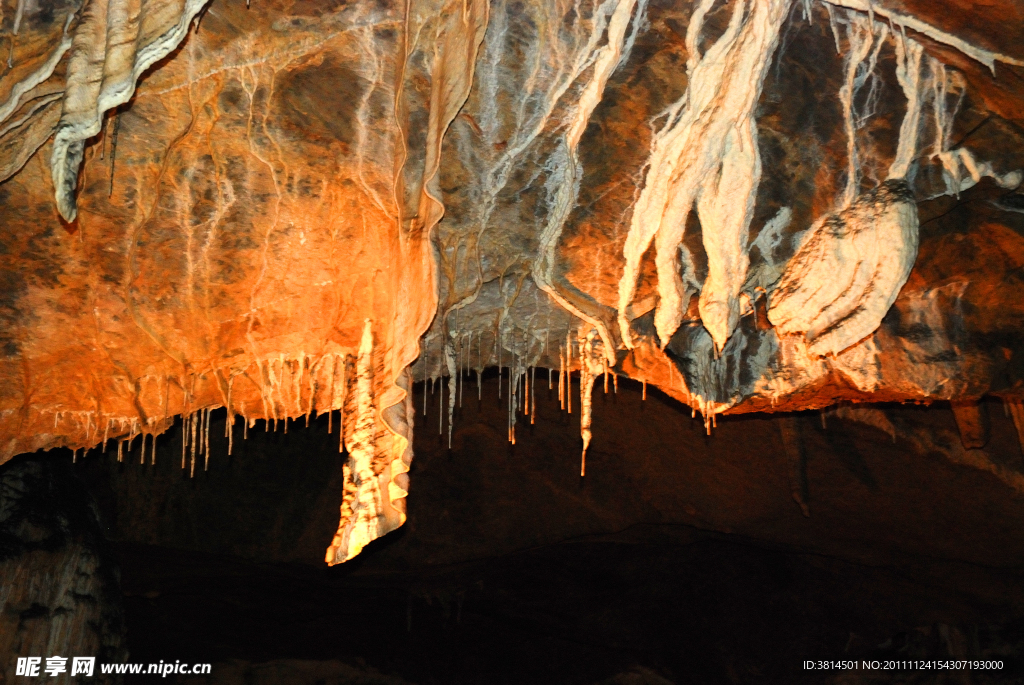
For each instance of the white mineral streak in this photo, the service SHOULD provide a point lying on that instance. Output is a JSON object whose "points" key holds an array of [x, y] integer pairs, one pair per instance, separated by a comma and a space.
{"points": [[115, 42], [365, 513], [19, 14], [769, 238], [705, 154], [929, 440], [361, 506], [35, 78], [612, 17]]}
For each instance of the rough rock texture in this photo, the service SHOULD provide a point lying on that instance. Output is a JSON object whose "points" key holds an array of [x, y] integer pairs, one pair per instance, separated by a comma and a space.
{"points": [[250, 184], [60, 591]]}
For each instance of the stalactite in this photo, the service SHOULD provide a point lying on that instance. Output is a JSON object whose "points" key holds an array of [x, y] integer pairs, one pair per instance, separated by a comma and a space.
{"points": [[706, 154], [590, 365], [453, 379], [113, 150], [511, 408], [526, 391], [342, 432], [229, 416], [301, 364], [152, 456], [362, 506], [862, 46], [561, 377], [972, 423]]}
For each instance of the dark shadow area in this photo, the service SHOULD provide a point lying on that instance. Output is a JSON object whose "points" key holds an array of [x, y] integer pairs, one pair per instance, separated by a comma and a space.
{"points": [[680, 558]]}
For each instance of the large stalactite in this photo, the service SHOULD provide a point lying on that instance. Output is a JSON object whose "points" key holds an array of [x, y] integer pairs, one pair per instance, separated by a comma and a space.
{"points": [[291, 208]]}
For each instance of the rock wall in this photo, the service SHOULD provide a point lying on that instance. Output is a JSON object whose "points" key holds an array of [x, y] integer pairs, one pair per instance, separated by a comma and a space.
{"points": [[60, 592]]}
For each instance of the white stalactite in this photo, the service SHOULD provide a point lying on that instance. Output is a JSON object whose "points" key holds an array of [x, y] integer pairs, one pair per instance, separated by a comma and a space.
{"points": [[615, 17], [705, 154], [1016, 410], [861, 60], [592, 362]]}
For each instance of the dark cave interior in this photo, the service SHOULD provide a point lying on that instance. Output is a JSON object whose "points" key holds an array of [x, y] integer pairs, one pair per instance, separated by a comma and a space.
{"points": [[679, 558]]}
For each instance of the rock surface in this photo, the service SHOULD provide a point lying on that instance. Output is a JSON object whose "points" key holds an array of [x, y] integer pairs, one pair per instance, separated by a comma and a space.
{"points": [[60, 591]]}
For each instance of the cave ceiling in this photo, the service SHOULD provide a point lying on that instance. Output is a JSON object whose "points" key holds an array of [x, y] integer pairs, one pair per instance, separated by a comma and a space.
{"points": [[290, 208]]}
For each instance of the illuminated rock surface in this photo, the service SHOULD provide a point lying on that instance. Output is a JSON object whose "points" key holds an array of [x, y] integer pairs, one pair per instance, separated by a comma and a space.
{"points": [[299, 200]]}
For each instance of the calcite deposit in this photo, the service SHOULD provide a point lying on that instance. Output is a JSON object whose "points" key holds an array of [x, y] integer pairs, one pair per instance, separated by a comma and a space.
{"points": [[293, 207]]}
